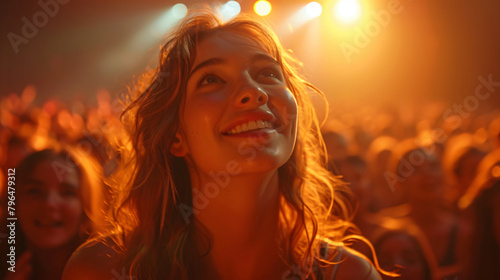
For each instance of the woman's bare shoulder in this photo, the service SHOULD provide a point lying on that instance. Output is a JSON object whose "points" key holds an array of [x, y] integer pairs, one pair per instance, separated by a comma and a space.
{"points": [[352, 265], [94, 260]]}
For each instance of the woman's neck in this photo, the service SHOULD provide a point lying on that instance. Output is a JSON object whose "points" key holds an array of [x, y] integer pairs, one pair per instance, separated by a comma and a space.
{"points": [[242, 220], [49, 263]]}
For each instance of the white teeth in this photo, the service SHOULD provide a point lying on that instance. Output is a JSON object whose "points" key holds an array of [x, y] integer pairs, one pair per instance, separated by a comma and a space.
{"points": [[251, 125]]}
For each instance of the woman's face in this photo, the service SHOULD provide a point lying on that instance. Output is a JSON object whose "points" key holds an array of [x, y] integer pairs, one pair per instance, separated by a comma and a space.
{"points": [[238, 110], [49, 209], [425, 184]]}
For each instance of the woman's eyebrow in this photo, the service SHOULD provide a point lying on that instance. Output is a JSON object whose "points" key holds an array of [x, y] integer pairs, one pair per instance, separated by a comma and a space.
{"points": [[33, 182], [68, 185], [206, 63], [263, 57]]}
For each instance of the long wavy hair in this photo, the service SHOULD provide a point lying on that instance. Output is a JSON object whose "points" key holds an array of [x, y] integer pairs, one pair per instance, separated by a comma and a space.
{"points": [[314, 208]]}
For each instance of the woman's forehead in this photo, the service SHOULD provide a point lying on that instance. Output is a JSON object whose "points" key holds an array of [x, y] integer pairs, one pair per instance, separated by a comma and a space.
{"points": [[221, 43], [53, 172]]}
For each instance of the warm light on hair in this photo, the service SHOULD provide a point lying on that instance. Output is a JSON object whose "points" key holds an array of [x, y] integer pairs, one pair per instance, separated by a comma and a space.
{"points": [[315, 206]]}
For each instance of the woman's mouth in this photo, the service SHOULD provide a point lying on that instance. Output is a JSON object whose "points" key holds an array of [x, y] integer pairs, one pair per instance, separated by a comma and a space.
{"points": [[48, 223], [250, 126]]}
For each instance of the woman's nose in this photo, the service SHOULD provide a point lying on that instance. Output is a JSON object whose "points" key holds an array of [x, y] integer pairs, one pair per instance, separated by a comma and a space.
{"points": [[250, 94], [52, 199]]}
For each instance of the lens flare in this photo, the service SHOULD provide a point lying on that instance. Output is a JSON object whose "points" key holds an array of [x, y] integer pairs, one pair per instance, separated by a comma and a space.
{"points": [[179, 10], [347, 11], [230, 10], [262, 8], [314, 9]]}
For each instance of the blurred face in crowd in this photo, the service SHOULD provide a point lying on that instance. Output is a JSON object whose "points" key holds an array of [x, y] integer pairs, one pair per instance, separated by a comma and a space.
{"points": [[50, 209], [466, 170], [355, 173], [336, 146], [399, 250], [425, 184]]}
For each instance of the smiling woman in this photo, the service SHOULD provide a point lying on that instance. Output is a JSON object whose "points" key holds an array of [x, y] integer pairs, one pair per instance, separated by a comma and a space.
{"points": [[226, 177], [58, 198]]}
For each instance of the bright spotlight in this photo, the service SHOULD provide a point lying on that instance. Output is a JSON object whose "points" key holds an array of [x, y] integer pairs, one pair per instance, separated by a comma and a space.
{"points": [[230, 10], [262, 7], [179, 10], [314, 9], [348, 11]]}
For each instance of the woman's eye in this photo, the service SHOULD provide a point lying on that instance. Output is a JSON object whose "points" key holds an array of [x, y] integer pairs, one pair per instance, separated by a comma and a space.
{"points": [[210, 79], [269, 76], [70, 193], [34, 191], [268, 73]]}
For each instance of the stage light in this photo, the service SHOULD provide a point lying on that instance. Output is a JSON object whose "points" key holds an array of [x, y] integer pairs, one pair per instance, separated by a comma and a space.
{"points": [[314, 9], [230, 10], [262, 8], [179, 10], [348, 11], [160, 26], [301, 17]]}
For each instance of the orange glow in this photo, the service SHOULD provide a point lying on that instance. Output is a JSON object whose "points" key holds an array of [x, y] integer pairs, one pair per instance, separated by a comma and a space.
{"points": [[77, 123], [28, 95], [13, 102], [495, 171], [6, 118], [39, 142], [104, 102], [50, 107], [64, 118]]}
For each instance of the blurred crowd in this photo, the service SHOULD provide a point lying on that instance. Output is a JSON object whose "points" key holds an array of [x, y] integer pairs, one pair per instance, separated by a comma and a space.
{"points": [[426, 178], [58, 156]]}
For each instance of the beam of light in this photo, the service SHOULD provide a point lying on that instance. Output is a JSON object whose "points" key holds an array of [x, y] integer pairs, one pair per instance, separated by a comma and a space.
{"points": [[229, 10], [262, 7], [347, 11], [141, 42], [314, 9], [168, 20], [301, 17]]}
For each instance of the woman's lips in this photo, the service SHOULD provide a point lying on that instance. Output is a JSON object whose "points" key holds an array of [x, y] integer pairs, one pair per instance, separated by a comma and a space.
{"points": [[250, 126], [48, 223], [249, 121]]}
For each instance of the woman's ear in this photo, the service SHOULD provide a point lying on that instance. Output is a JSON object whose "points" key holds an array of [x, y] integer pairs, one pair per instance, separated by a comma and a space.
{"points": [[179, 146]]}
